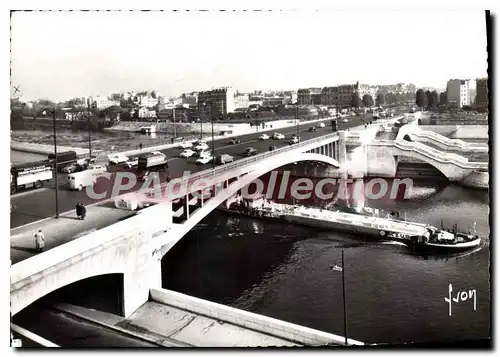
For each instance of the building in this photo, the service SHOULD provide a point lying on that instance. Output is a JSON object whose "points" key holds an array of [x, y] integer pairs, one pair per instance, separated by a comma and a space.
{"points": [[241, 101], [219, 100], [191, 99], [275, 101], [461, 92], [482, 93], [100, 102], [144, 112], [309, 96]]}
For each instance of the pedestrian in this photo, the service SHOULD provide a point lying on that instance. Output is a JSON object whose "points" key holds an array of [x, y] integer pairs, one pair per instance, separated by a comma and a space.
{"points": [[78, 210], [168, 178], [140, 146], [172, 140], [39, 241], [84, 211]]}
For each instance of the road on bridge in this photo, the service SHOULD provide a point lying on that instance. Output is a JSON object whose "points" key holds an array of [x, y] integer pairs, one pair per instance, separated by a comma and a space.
{"points": [[31, 206]]}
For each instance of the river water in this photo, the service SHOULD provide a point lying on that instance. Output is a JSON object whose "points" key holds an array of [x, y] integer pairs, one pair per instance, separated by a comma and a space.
{"points": [[393, 296]]}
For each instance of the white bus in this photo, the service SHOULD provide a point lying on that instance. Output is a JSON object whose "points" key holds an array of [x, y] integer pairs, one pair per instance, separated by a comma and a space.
{"points": [[79, 180]]}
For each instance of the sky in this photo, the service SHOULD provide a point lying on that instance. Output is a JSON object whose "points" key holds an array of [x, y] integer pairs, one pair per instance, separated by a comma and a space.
{"points": [[61, 55]]}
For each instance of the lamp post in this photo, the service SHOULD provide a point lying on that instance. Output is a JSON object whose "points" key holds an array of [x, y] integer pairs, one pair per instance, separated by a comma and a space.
{"points": [[341, 269], [173, 122], [53, 112]]}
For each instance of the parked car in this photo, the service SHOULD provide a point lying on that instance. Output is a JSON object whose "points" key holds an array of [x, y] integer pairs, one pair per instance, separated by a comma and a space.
{"points": [[345, 120], [294, 140], [249, 152], [201, 146], [278, 136], [134, 161], [185, 145], [205, 159], [187, 153], [264, 137], [224, 159], [235, 141], [312, 128], [321, 125]]}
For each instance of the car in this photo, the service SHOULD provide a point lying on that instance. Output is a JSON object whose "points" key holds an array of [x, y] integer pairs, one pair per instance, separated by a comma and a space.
{"points": [[201, 146], [235, 141], [278, 136], [294, 140], [345, 120], [134, 161], [249, 152], [312, 128], [321, 125], [264, 137], [117, 159], [202, 153], [156, 153], [72, 168], [185, 145], [204, 159], [187, 153], [223, 159]]}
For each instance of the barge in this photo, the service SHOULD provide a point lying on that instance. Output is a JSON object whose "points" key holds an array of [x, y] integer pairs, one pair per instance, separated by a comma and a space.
{"points": [[366, 222]]}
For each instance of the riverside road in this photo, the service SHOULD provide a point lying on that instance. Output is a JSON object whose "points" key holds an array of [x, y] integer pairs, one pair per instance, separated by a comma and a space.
{"points": [[33, 205]]}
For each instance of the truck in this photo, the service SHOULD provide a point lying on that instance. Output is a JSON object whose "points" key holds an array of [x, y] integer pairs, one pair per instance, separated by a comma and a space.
{"points": [[153, 161], [30, 175], [64, 159]]}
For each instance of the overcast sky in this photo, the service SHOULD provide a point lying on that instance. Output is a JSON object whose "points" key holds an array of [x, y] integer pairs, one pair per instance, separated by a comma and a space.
{"points": [[60, 55]]}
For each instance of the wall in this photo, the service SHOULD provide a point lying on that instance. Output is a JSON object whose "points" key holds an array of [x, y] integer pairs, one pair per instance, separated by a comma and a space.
{"points": [[379, 162], [247, 319]]}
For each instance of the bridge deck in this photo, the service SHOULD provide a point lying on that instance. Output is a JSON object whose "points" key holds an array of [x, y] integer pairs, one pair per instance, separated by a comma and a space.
{"points": [[63, 229]]}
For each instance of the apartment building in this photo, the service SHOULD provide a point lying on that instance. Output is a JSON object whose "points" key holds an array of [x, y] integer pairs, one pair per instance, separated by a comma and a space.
{"points": [[309, 96], [482, 93], [461, 92], [219, 100]]}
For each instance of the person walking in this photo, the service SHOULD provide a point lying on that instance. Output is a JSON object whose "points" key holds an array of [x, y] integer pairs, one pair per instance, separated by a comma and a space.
{"points": [[83, 211], [39, 241], [79, 210], [140, 146]]}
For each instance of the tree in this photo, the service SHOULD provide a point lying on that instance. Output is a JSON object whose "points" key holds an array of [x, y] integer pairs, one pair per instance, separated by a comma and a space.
{"points": [[443, 98], [367, 101], [380, 100], [428, 95], [355, 100], [421, 99], [434, 99]]}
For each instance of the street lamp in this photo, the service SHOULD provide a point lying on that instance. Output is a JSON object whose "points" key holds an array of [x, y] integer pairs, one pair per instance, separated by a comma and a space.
{"points": [[297, 116], [53, 112], [342, 268]]}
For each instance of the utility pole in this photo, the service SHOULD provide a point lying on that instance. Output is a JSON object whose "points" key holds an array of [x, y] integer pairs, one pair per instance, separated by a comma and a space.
{"points": [[173, 111], [297, 115], [88, 128], [55, 160], [213, 146]]}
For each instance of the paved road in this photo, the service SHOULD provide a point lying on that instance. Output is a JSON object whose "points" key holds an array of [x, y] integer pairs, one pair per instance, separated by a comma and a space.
{"points": [[34, 205]]}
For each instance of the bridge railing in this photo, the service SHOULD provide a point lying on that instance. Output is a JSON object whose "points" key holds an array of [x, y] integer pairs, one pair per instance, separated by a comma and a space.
{"points": [[457, 143], [243, 162], [437, 155]]}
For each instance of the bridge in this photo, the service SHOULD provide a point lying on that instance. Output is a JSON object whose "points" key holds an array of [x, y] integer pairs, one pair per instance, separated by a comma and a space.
{"points": [[454, 167], [414, 133], [134, 246]]}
